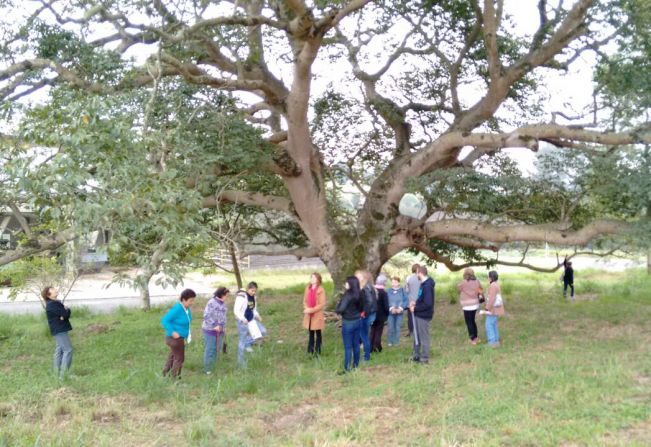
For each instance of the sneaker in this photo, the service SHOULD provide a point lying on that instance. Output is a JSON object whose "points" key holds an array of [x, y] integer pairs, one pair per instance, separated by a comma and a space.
{"points": [[423, 362], [249, 349], [414, 359], [208, 373], [473, 342]]}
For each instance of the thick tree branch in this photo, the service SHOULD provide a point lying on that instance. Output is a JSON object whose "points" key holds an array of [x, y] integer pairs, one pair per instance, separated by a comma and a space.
{"points": [[490, 41], [22, 220], [559, 234], [38, 245], [299, 252], [250, 198]]}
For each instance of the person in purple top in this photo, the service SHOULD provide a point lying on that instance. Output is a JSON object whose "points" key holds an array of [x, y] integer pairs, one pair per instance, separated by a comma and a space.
{"points": [[214, 328]]}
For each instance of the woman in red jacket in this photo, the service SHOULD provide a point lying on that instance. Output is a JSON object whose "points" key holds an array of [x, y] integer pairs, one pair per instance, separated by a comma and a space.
{"points": [[314, 301]]}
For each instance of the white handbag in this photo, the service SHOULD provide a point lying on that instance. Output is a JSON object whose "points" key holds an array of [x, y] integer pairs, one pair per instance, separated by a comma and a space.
{"points": [[498, 300], [254, 330]]}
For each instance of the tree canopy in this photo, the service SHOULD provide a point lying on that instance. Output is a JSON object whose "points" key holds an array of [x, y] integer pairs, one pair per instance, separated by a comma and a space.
{"points": [[154, 113]]}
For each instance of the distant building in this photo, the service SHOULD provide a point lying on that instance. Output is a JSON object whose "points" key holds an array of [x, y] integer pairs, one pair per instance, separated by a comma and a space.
{"points": [[92, 253]]}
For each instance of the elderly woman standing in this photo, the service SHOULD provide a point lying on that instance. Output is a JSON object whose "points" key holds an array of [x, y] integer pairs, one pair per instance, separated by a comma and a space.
{"points": [[398, 302], [58, 318], [469, 290], [314, 301], [177, 332], [214, 328], [495, 308]]}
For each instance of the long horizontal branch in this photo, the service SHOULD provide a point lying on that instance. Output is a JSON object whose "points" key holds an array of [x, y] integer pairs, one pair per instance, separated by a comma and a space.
{"points": [[250, 198], [38, 245], [557, 234], [438, 152], [299, 252]]}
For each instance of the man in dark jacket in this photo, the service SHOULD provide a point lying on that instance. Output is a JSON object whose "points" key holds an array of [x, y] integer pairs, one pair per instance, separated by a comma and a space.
{"points": [[422, 310], [568, 278]]}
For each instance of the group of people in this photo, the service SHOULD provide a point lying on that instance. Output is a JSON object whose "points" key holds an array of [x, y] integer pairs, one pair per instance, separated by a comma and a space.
{"points": [[365, 308], [177, 322]]}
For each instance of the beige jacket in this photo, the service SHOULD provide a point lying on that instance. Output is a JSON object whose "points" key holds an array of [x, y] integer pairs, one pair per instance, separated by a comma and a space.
{"points": [[493, 290], [468, 289]]}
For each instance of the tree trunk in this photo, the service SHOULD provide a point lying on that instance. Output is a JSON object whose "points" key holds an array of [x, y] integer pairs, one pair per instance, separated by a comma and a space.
{"points": [[145, 301], [236, 265], [352, 254], [142, 282], [149, 271]]}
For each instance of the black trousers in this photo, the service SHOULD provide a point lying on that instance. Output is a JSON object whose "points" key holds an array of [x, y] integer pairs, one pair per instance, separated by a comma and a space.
{"points": [[410, 322], [565, 285], [469, 316], [314, 346], [376, 336]]}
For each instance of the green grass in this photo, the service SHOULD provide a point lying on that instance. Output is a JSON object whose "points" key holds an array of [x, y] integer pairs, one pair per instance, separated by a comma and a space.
{"points": [[567, 374]]}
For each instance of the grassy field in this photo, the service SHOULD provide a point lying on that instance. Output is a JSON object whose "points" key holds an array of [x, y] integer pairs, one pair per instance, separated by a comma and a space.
{"points": [[567, 374]]}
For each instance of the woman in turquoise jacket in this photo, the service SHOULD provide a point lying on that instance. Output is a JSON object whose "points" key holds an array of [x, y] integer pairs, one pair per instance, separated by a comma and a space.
{"points": [[177, 332]]}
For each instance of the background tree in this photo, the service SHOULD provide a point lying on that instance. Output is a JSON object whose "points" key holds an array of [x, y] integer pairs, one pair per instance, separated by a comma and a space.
{"points": [[624, 83], [413, 83]]}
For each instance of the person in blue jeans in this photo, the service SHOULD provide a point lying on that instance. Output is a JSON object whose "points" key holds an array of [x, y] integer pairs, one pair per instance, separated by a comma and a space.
{"points": [[494, 308], [369, 309], [214, 328], [246, 311], [350, 308], [58, 319], [398, 302]]}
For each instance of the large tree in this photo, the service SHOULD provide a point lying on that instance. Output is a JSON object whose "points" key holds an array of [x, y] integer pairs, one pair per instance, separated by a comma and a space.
{"points": [[383, 95]]}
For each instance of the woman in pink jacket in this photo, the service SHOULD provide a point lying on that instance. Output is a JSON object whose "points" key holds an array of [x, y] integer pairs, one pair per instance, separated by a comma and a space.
{"points": [[469, 290]]}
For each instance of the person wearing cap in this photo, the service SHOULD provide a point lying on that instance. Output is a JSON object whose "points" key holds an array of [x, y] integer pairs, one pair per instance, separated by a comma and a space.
{"points": [[381, 314], [214, 328]]}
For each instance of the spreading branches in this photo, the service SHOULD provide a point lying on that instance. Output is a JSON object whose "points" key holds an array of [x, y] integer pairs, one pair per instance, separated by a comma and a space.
{"points": [[250, 198]]}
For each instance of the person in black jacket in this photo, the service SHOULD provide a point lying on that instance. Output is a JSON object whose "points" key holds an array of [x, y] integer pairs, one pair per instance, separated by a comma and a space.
{"points": [[422, 310], [568, 278], [369, 309], [350, 308], [58, 318], [381, 315]]}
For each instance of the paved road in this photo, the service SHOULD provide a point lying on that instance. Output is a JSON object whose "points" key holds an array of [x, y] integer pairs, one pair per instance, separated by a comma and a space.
{"points": [[91, 291]]}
